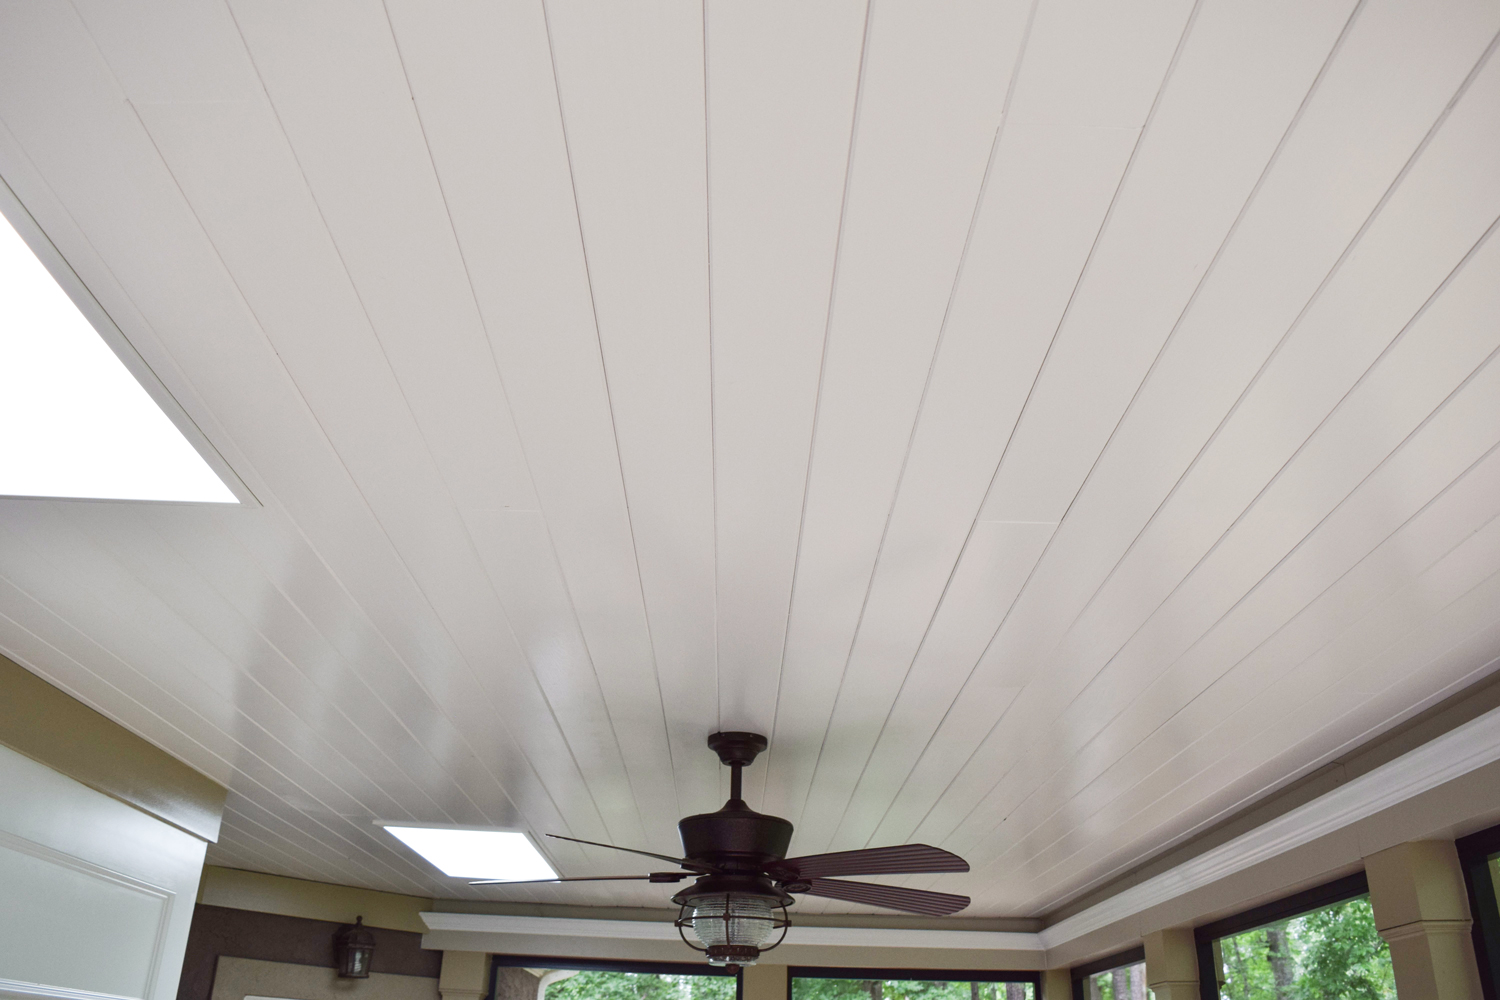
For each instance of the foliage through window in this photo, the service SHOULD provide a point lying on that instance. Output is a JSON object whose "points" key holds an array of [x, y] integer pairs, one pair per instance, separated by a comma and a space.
{"points": [[640, 986], [817, 988], [1333, 953], [1479, 853], [1128, 982]]}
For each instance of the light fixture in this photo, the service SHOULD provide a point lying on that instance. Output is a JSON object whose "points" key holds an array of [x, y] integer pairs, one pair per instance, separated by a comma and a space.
{"points": [[469, 852], [732, 926], [77, 423], [354, 948]]}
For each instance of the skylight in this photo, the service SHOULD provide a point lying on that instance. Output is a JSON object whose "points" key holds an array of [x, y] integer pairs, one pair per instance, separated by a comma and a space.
{"points": [[74, 422], [461, 853]]}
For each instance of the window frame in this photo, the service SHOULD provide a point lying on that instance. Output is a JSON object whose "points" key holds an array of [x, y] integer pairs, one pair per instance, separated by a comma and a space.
{"points": [[1032, 976], [1295, 905], [498, 962], [1474, 853], [1079, 974]]}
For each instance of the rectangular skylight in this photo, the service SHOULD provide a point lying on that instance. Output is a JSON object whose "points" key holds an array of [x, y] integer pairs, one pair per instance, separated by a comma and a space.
{"points": [[74, 422], [470, 853]]}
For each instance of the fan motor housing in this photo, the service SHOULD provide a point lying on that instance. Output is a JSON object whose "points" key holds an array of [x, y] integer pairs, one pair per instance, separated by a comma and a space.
{"points": [[733, 885], [735, 833]]}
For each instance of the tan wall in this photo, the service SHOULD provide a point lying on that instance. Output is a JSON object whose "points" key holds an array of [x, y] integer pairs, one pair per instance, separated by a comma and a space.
{"points": [[53, 728], [237, 978], [295, 897]]}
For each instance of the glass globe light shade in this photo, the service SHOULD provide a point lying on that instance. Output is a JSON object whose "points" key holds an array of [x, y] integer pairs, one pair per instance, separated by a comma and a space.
{"points": [[739, 921]]}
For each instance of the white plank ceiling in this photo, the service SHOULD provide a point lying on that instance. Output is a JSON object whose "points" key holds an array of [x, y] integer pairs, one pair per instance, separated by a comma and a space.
{"points": [[1055, 423]]}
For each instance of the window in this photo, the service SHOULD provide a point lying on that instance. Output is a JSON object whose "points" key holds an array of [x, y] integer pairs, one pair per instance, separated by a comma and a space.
{"points": [[1117, 977], [909, 984], [516, 977], [1480, 856], [1318, 945]]}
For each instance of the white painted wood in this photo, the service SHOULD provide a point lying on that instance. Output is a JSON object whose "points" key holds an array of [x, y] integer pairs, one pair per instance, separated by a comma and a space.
{"points": [[1208, 88], [98, 895], [501, 926], [1043, 203], [1446, 345], [513, 319], [914, 181], [781, 83], [1386, 266], [631, 89]]}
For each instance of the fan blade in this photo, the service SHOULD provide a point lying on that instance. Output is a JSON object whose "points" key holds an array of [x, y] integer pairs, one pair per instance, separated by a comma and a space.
{"points": [[653, 877], [684, 862], [907, 859], [891, 897]]}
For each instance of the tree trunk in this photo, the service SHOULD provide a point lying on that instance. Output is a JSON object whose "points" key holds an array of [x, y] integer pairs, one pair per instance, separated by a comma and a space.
{"points": [[1119, 980], [1138, 982], [1015, 991], [1281, 961], [1095, 993], [877, 988], [1241, 973], [973, 991]]}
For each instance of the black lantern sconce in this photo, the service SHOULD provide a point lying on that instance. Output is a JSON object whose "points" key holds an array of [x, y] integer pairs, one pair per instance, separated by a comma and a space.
{"points": [[354, 946]]}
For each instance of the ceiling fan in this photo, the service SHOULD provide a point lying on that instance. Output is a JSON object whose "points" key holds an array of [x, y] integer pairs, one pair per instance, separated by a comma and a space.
{"points": [[737, 859]]}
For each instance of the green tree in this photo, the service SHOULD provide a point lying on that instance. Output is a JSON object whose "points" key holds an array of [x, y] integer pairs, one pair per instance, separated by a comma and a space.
{"points": [[641, 986], [1343, 958]]}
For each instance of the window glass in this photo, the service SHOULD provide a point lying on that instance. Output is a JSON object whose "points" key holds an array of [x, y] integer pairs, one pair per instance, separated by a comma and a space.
{"points": [[1480, 855], [1128, 982], [810, 988], [570, 985], [1332, 953]]}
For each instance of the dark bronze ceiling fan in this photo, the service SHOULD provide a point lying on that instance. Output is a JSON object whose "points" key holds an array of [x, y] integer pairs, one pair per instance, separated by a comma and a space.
{"points": [[737, 859]]}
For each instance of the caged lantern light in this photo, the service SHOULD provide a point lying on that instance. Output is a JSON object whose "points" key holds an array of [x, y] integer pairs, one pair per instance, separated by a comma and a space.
{"points": [[354, 947]]}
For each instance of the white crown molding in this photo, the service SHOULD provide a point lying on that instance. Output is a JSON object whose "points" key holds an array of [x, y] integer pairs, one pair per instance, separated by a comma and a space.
{"points": [[497, 923], [41, 991], [1440, 760], [658, 930], [1451, 755]]}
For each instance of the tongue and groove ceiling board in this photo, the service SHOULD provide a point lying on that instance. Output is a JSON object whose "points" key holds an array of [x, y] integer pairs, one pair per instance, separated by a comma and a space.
{"points": [[1055, 424]]}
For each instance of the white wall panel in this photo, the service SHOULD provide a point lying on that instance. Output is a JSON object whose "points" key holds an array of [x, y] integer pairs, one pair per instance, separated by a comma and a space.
{"points": [[98, 895]]}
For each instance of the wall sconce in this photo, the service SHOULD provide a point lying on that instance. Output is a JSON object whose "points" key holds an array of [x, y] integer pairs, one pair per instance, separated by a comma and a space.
{"points": [[354, 946]]}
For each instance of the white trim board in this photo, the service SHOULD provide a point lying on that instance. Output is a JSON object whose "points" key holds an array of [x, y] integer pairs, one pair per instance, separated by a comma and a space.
{"points": [[1451, 755], [40, 991], [660, 930]]}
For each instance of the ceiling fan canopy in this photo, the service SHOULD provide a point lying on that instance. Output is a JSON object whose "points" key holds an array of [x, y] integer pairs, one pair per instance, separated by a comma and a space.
{"points": [[742, 876]]}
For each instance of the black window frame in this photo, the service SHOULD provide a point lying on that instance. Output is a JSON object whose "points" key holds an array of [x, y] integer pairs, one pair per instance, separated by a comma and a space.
{"points": [[1327, 894], [1474, 852], [498, 962], [1032, 976], [1119, 960]]}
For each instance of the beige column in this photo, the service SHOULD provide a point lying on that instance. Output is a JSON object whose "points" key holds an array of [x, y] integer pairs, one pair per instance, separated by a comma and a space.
{"points": [[764, 982], [1057, 984], [464, 975], [1172, 964], [1422, 910]]}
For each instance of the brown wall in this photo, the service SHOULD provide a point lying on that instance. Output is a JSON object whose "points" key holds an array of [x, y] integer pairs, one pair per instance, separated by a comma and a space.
{"points": [[218, 930]]}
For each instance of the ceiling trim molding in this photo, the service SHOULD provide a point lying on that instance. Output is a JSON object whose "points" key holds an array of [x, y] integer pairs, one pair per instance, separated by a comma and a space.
{"points": [[798, 934], [1451, 755], [1440, 760]]}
